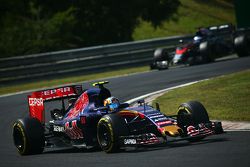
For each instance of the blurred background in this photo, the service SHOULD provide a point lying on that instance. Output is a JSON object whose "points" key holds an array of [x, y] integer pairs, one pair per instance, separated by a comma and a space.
{"points": [[36, 26]]}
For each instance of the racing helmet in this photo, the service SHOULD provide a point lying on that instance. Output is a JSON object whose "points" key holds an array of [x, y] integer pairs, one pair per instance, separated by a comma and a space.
{"points": [[112, 103]]}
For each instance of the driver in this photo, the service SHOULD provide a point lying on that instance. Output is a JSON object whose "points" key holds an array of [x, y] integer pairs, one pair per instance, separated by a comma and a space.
{"points": [[112, 103], [202, 33]]}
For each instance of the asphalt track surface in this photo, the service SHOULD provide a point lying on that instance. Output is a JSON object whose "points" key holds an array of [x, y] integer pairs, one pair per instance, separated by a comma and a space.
{"points": [[230, 149]]}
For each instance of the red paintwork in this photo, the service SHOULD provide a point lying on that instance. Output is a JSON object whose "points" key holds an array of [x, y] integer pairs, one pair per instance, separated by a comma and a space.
{"points": [[57, 93], [180, 51], [81, 103], [183, 49], [36, 100], [36, 107]]}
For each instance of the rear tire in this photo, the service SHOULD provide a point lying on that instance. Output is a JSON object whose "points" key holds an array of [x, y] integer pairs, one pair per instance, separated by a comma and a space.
{"points": [[242, 44], [109, 128], [28, 136]]}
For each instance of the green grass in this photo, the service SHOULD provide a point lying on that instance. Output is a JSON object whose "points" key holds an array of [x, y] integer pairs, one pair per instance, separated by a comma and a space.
{"points": [[225, 98], [191, 14], [70, 80]]}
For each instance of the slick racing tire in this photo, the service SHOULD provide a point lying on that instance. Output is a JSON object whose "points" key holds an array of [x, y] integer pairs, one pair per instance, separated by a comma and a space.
{"points": [[28, 136], [205, 52], [242, 44], [109, 128], [192, 113], [160, 54]]}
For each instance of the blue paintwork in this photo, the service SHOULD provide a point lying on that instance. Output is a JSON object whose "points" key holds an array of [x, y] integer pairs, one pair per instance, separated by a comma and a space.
{"points": [[93, 115], [94, 103]]}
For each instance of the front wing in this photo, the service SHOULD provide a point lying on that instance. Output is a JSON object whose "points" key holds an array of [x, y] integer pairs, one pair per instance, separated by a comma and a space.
{"points": [[190, 133]]}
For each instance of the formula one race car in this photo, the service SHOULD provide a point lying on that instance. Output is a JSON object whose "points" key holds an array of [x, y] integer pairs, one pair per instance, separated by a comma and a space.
{"points": [[208, 44], [95, 119]]}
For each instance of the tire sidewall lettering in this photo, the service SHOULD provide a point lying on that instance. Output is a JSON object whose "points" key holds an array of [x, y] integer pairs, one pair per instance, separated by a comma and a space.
{"points": [[184, 108]]}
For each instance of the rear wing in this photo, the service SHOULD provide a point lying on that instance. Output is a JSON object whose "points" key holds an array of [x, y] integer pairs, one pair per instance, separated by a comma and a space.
{"points": [[222, 29], [36, 99]]}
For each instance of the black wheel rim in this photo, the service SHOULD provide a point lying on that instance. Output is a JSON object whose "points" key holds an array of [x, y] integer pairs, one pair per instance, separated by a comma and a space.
{"points": [[104, 136], [184, 119]]}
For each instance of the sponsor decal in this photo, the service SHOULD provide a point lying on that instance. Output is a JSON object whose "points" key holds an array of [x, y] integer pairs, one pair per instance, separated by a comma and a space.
{"points": [[36, 108], [151, 110], [35, 102], [148, 139], [56, 91], [160, 119], [129, 141], [183, 108], [163, 123], [58, 128], [156, 116]]}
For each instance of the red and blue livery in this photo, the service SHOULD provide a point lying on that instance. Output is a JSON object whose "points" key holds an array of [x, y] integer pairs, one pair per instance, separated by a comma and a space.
{"points": [[83, 121]]}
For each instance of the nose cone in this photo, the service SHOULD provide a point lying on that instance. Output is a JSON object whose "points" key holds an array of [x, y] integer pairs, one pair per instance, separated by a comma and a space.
{"points": [[179, 54], [172, 130], [177, 58]]}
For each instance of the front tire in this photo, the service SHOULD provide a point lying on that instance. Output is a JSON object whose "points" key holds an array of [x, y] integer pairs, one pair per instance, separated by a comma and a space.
{"points": [[28, 136], [191, 114], [205, 52], [109, 129], [161, 54]]}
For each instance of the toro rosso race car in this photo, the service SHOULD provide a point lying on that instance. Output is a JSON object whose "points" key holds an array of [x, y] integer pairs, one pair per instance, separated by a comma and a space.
{"points": [[208, 44], [95, 119]]}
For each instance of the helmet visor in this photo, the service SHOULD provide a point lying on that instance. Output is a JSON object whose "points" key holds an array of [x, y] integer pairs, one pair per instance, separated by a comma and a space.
{"points": [[113, 106]]}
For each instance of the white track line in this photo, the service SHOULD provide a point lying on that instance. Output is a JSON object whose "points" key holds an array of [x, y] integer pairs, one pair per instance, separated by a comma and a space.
{"points": [[68, 84], [161, 91], [227, 125]]}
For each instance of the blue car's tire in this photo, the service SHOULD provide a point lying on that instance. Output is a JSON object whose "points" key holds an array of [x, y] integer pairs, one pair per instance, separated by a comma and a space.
{"points": [[109, 128], [28, 136], [242, 44], [191, 114]]}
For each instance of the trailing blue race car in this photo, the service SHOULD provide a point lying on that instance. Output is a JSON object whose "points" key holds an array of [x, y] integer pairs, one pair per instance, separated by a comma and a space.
{"points": [[94, 118], [208, 44]]}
